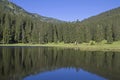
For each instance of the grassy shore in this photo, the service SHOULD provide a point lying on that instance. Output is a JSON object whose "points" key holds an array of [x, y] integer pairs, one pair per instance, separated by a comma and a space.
{"points": [[101, 46]]}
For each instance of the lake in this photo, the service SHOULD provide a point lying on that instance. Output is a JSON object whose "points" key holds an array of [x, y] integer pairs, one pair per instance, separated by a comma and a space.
{"points": [[45, 63]]}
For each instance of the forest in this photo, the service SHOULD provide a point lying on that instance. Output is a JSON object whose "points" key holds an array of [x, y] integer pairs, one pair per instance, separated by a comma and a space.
{"points": [[20, 26]]}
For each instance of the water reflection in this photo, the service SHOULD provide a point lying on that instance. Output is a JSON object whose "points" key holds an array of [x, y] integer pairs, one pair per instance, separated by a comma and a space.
{"points": [[18, 62], [65, 74]]}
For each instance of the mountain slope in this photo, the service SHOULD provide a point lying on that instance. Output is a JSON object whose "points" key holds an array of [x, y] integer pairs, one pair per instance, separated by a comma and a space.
{"points": [[9, 6], [105, 15]]}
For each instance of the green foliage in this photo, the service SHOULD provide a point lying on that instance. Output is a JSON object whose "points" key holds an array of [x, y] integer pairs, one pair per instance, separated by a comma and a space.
{"points": [[109, 37], [92, 42], [19, 26]]}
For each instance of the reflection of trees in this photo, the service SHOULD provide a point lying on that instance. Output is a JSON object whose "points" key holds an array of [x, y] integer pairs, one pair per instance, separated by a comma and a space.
{"points": [[21, 61]]}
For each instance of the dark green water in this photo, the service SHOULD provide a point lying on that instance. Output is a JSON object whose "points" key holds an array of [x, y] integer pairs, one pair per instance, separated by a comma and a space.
{"points": [[43, 63]]}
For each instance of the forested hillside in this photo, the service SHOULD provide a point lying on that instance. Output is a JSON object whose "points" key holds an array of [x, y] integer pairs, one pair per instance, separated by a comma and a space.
{"points": [[20, 26]]}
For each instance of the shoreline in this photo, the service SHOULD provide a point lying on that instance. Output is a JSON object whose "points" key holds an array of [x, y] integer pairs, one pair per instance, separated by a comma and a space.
{"points": [[83, 46]]}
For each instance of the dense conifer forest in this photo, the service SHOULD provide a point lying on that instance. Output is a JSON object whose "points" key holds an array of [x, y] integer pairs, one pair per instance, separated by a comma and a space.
{"points": [[20, 26]]}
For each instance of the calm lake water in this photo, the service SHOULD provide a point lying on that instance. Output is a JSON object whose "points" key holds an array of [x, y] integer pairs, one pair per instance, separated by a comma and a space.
{"points": [[43, 63]]}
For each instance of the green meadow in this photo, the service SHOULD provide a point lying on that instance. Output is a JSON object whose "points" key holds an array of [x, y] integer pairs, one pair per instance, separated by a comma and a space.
{"points": [[91, 46]]}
